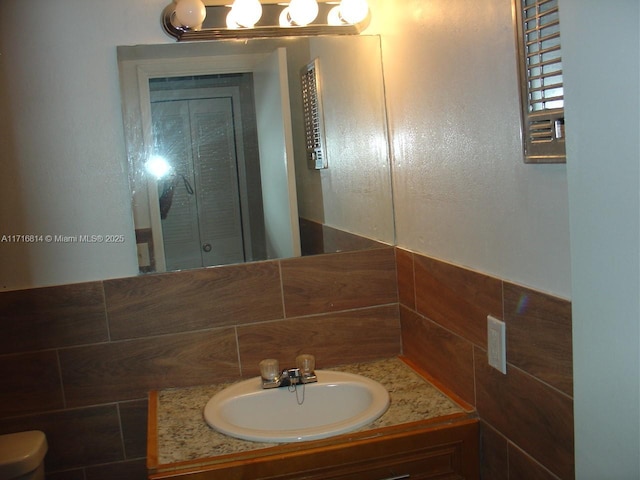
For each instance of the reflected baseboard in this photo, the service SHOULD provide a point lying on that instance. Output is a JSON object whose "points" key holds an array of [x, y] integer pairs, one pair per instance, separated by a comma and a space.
{"points": [[317, 238]]}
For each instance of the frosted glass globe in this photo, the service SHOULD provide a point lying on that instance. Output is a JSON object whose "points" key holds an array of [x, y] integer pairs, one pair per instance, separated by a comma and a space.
{"points": [[354, 11], [190, 13], [334, 18], [303, 12], [246, 13]]}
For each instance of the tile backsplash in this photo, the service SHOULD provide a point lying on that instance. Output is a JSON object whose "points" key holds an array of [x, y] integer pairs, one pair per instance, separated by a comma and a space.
{"points": [[527, 414], [78, 360]]}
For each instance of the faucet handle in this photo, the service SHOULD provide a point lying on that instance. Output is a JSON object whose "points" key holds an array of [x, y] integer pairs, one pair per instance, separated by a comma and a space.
{"points": [[306, 363], [269, 369]]}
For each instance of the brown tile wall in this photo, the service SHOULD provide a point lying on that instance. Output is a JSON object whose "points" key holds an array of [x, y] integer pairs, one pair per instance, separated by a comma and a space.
{"points": [[527, 414], [77, 361]]}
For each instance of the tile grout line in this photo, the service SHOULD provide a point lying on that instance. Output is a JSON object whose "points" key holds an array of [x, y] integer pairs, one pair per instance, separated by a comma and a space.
{"points": [[235, 330], [284, 307], [62, 391], [122, 443]]}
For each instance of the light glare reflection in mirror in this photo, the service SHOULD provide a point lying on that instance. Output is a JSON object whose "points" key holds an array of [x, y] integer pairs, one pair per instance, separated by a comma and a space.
{"points": [[158, 166]]}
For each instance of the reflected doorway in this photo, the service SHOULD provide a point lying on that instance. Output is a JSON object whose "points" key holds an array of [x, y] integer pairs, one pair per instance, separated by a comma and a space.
{"points": [[269, 180], [210, 200]]}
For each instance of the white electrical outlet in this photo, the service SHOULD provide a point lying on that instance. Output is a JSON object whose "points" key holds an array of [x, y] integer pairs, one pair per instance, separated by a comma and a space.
{"points": [[497, 344]]}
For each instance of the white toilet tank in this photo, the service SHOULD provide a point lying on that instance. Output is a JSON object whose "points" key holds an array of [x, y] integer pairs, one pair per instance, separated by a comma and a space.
{"points": [[22, 455]]}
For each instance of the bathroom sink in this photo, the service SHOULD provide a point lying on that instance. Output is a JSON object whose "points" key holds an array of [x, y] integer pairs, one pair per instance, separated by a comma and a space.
{"points": [[339, 402]]}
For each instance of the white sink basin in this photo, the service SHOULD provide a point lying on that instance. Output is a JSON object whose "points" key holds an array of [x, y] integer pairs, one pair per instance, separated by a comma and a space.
{"points": [[338, 403]]}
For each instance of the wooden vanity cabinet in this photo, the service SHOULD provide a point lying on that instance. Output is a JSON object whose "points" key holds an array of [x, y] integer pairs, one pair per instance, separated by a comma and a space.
{"points": [[443, 450]]}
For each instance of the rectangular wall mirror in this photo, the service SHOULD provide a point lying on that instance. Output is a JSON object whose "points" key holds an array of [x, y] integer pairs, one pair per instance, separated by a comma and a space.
{"points": [[218, 163]]}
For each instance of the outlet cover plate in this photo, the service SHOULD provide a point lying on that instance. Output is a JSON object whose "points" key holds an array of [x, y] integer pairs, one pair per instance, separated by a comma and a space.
{"points": [[497, 344]]}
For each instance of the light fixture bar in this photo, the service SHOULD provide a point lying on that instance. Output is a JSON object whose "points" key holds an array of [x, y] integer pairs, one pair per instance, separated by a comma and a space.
{"points": [[215, 24]]}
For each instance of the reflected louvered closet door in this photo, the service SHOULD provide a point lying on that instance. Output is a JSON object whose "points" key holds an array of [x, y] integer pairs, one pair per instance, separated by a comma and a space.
{"points": [[203, 225], [216, 165], [172, 141]]}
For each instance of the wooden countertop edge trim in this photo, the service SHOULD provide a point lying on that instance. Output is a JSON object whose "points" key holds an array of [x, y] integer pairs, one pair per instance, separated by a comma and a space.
{"points": [[152, 432]]}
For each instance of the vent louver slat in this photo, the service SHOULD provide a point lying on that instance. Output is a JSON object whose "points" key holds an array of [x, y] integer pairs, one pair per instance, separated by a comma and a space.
{"points": [[541, 131], [313, 116]]}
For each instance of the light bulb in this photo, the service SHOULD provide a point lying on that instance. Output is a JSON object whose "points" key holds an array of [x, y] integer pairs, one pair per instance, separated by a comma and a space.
{"points": [[285, 19], [190, 13], [354, 11], [334, 19], [303, 12], [232, 24], [245, 13]]}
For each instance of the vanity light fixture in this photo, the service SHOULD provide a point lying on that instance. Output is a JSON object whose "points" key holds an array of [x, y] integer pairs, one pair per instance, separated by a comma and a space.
{"points": [[188, 20]]}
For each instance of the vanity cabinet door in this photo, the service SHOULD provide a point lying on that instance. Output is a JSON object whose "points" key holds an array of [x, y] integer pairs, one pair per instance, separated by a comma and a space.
{"points": [[445, 461]]}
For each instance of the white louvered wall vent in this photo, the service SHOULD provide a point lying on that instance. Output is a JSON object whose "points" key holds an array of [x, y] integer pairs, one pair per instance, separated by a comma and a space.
{"points": [[313, 116], [538, 27]]}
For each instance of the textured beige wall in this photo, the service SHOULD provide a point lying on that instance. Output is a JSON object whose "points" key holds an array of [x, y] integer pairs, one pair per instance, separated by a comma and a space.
{"points": [[461, 191]]}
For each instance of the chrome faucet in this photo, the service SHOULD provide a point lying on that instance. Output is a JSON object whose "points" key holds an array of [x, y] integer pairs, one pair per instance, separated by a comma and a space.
{"points": [[289, 377], [273, 377]]}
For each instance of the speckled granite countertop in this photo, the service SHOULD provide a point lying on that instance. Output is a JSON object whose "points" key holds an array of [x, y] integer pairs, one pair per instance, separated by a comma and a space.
{"points": [[183, 435]]}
